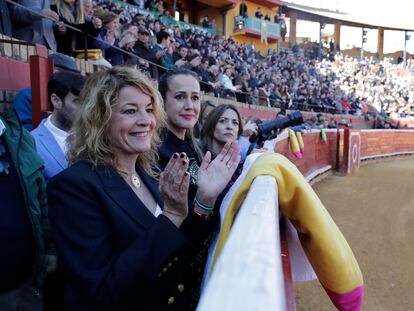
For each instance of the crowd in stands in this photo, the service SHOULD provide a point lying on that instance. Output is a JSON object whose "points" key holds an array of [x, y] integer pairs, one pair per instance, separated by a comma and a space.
{"points": [[302, 78], [135, 166]]}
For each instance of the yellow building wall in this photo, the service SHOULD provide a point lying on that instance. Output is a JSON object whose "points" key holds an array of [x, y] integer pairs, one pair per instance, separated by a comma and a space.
{"points": [[251, 10]]}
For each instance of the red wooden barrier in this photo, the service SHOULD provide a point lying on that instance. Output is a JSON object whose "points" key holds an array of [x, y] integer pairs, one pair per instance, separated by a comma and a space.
{"points": [[41, 68]]}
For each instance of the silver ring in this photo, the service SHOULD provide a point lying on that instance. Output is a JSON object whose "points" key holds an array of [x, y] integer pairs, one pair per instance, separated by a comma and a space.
{"points": [[228, 166]]}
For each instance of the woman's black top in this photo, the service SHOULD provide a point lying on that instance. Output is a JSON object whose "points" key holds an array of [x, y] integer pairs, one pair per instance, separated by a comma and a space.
{"points": [[204, 229]]}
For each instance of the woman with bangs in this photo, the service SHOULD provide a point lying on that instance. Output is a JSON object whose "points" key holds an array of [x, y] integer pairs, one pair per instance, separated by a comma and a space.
{"points": [[117, 228]]}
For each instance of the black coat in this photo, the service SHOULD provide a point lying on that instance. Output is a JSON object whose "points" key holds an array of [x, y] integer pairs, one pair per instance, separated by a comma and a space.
{"points": [[204, 230], [144, 52], [5, 22], [72, 39], [116, 254]]}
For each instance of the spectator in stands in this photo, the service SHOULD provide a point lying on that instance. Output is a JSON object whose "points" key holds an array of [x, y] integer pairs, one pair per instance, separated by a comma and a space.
{"points": [[127, 43], [243, 9], [147, 61], [258, 13], [142, 242], [205, 108], [226, 81], [181, 54], [243, 96], [208, 81], [88, 42], [180, 90], [160, 7], [253, 82], [72, 13], [222, 125], [162, 51], [23, 101], [51, 134], [5, 22], [205, 22], [50, 137], [110, 39], [33, 27], [27, 250]]}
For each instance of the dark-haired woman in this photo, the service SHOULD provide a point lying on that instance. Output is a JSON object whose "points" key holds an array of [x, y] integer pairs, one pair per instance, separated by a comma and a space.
{"points": [[222, 125], [180, 90], [206, 107]]}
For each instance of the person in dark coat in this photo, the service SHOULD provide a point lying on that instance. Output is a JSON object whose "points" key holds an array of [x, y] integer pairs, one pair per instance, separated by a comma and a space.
{"points": [[117, 228], [142, 49], [180, 90], [28, 253], [36, 28], [72, 14], [5, 22]]}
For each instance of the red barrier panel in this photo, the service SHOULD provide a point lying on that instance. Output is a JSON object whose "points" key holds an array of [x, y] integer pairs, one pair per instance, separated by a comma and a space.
{"points": [[14, 68], [346, 149], [385, 143], [318, 157]]}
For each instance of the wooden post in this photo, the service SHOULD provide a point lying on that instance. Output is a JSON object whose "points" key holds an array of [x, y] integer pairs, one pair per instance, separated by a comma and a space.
{"points": [[380, 49], [41, 68], [292, 28], [337, 35]]}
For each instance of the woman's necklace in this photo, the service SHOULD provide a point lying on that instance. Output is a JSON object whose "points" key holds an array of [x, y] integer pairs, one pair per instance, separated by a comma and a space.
{"points": [[133, 177]]}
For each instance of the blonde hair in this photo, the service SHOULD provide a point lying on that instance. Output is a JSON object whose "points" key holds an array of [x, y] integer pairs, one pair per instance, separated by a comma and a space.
{"points": [[63, 9], [89, 139]]}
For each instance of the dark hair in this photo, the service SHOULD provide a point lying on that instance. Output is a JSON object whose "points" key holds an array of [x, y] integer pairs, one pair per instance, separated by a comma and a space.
{"points": [[163, 85], [163, 88], [210, 124], [198, 127], [162, 35], [62, 83]]}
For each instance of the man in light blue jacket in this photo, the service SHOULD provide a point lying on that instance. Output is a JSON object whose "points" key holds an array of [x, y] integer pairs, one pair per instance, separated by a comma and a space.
{"points": [[51, 134]]}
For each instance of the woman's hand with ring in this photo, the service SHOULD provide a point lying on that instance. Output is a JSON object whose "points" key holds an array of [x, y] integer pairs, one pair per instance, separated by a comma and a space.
{"points": [[174, 182]]}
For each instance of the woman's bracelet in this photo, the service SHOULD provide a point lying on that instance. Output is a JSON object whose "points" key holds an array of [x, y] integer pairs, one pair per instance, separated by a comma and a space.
{"points": [[204, 207]]}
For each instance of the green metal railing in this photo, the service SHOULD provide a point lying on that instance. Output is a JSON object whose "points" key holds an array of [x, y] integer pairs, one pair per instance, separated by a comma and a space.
{"points": [[167, 20], [255, 24]]}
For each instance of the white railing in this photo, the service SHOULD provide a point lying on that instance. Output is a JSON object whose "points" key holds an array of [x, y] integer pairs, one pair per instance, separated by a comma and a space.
{"points": [[248, 274]]}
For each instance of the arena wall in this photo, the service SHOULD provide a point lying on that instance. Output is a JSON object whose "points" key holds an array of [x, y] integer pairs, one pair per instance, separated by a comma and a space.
{"points": [[345, 150]]}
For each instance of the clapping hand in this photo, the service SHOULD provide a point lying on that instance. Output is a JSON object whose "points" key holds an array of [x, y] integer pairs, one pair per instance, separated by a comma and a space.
{"points": [[174, 182], [97, 22], [213, 176]]}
